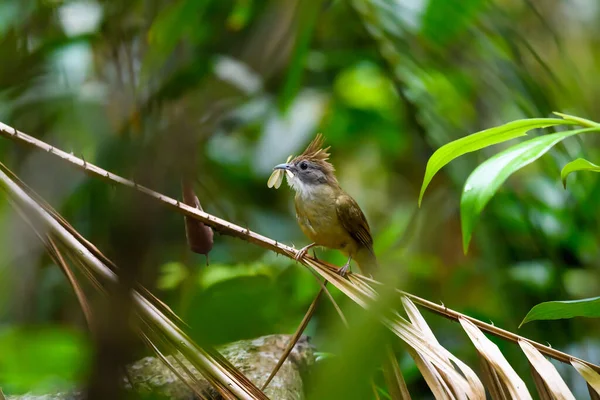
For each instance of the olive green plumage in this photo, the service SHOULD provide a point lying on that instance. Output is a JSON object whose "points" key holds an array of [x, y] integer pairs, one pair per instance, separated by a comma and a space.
{"points": [[325, 212]]}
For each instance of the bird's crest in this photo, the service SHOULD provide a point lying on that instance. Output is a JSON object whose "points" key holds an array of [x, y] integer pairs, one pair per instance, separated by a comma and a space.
{"points": [[317, 154]]}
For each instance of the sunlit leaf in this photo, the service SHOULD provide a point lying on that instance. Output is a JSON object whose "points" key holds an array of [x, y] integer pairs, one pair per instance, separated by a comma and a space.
{"points": [[479, 140], [485, 180], [577, 165], [564, 309], [578, 120]]}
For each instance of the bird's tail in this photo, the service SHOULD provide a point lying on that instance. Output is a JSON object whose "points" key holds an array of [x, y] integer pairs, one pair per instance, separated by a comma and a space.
{"points": [[366, 261]]}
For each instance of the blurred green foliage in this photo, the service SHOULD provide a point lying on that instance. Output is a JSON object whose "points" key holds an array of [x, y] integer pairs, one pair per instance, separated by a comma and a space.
{"points": [[386, 82], [46, 357]]}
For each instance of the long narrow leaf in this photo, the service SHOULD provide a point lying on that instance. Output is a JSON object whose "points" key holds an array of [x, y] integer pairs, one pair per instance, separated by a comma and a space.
{"points": [[485, 180], [580, 164], [578, 120], [479, 140]]}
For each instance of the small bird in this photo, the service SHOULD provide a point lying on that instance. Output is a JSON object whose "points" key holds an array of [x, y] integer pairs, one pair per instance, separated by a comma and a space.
{"points": [[325, 213], [333, 219]]}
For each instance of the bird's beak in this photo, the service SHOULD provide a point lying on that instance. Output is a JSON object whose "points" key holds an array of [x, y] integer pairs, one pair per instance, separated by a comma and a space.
{"points": [[284, 166]]}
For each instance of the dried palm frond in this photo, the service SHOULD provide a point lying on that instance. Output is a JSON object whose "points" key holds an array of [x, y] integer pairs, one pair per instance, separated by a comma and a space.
{"points": [[228, 381], [591, 376], [548, 382], [500, 376]]}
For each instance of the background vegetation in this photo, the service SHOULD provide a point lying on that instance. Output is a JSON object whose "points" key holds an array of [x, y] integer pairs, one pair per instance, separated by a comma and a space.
{"points": [[124, 83]]}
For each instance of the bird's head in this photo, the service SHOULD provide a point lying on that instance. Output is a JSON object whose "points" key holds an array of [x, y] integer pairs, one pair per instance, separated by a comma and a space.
{"points": [[306, 172]]}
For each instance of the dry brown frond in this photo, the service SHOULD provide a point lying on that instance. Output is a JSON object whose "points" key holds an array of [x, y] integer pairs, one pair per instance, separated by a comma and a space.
{"points": [[442, 385], [502, 375], [553, 386], [591, 377], [230, 381]]}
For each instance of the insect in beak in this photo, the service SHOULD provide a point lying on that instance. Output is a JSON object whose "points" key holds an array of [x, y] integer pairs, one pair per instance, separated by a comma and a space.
{"points": [[278, 172]]}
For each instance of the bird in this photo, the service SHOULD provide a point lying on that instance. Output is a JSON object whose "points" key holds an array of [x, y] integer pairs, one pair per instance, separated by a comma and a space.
{"points": [[328, 215], [331, 218]]}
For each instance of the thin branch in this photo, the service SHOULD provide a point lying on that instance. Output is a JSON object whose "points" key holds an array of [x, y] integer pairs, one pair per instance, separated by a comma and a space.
{"points": [[229, 228], [294, 338]]}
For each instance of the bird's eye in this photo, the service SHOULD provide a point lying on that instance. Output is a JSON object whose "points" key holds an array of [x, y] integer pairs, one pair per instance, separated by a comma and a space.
{"points": [[303, 165]]}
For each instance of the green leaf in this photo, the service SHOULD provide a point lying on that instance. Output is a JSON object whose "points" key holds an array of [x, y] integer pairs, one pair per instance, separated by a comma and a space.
{"points": [[485, 180], [578, 120], [445, 20], [218, 273], [577, 165], [564, 309], [479, 140], [171, 275], [174, 22], [42, 358]]}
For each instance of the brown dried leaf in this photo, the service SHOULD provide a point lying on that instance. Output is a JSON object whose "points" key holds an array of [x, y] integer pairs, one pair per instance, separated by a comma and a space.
{"points": [[590, 376], [502, 370], [553, 383]]}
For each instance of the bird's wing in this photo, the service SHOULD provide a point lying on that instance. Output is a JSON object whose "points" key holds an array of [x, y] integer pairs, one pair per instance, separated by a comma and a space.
{"points": [[353, 220]]}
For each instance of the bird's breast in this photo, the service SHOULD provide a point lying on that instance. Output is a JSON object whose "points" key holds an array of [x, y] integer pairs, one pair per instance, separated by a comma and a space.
{"points": [[317, 217]]}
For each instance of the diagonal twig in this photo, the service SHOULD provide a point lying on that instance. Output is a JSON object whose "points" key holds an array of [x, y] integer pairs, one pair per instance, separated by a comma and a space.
{"points": [[295, 337]]}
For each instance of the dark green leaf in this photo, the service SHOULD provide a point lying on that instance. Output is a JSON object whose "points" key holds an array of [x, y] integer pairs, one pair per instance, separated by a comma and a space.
{"points": [[170, 26], [444, 20], [577, 165], [479, 140], [564, 309], [485, 180]]}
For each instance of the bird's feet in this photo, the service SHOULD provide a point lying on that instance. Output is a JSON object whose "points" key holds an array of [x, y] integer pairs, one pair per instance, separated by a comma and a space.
{"points": [[302, 252], [343, 271]]}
